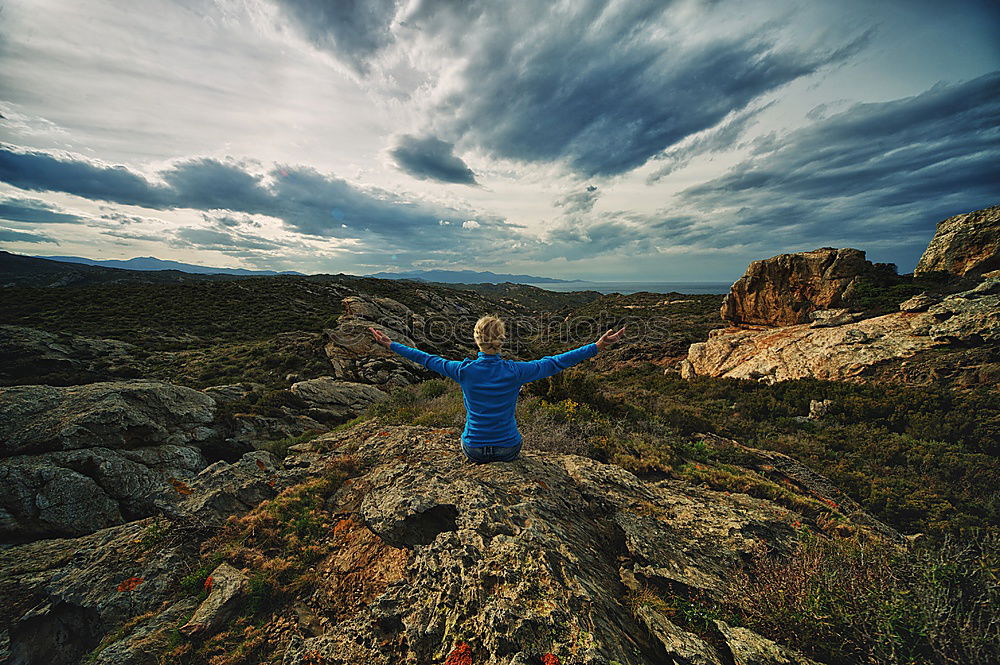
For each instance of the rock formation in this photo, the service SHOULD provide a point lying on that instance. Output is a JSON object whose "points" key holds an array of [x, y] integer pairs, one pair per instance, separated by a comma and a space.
{"points": [[538, 556], [331, 400], [784, 289], [225, 587], [65, 593], [116, 415], [966, 244], [790, 316], [356, 357], [77, 459], [847, 351]]}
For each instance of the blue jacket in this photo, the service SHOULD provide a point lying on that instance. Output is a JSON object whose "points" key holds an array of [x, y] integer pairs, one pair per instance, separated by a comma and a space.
{"points": [[490, 385]]}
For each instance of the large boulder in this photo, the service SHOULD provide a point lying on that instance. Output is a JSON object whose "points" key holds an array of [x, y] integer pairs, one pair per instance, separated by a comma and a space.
{"points": [[226, 586], [222, 489], [966, 244], [329, 398], [785, 289], [74, 492], [969, 318]]}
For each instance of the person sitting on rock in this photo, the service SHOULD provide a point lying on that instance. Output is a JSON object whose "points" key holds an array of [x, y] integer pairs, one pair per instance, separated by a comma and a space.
{"points": [[490, 385]]}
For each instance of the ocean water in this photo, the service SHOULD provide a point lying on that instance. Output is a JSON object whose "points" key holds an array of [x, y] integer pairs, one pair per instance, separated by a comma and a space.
{"points": [[633, 287]]}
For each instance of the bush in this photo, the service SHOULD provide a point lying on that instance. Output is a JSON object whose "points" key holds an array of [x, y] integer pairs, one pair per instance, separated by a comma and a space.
{"points": [[857, 600], [958, 592]]}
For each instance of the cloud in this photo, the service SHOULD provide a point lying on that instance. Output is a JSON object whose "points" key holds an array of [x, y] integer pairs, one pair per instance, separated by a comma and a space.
{"points": [[353, 30], [599, 86], [39, 171], [722, 136], [134, 235], [12, 235], [430, 158], [470, 224], [579, 202], [306, 200], [34, 211], [870, 170]]}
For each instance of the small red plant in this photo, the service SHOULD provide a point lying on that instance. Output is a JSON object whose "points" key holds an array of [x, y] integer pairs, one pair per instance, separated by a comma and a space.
{"points": [[461, 655], [179, 485], [130, 584], [208, 584], [550, 659], [313, 657]]}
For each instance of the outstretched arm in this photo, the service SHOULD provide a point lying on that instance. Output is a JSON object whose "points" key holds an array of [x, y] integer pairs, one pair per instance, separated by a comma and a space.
{"points": [[533, 370], [549, 365], [448, 368]]}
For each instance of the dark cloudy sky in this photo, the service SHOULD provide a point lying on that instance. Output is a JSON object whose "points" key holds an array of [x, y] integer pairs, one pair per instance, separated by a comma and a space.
{"points": [[594, 139]]}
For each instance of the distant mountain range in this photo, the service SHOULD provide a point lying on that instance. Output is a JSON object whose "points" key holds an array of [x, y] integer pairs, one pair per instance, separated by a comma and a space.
{"points": [[153, 263], [468, 277]]}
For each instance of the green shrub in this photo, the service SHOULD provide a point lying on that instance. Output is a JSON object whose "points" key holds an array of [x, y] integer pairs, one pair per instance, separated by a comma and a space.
{"points": [[279, 448]]}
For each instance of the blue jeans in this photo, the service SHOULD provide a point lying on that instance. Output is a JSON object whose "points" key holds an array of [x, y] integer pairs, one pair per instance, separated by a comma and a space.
{"points": [[484, 454]]}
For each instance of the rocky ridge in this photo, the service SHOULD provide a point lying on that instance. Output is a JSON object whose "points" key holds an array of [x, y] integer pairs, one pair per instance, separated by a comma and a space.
{"points": [[849, 351]]}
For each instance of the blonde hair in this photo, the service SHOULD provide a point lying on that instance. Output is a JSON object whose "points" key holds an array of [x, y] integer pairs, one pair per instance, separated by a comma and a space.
{"points": [[489, 333]]}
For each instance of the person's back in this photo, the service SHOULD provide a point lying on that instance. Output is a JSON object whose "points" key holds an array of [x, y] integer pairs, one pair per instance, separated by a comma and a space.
{"points": [[490, 385], [489, 391]]}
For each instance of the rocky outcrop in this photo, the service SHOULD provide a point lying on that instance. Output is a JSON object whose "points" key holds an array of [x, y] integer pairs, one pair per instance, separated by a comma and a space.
{"points": [[224, 489], [784, 289], [829, 318], [792, 352], [117, 415], [331, 400], [550, 554], [80, 458], [356, 357], [968, 318], [35, 356], [846, 352], [966, 244], [65, 594], [73, 492], [918, 303], [521, 559]]}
